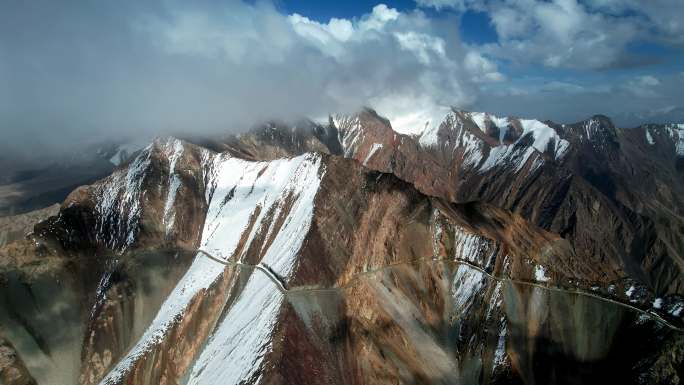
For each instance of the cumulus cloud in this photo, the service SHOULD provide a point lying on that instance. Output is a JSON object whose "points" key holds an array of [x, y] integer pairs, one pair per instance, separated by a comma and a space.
{"points": [[665, 18], [647, 81], [593, 34], [644, 86], [561, 33], [73, 71]]}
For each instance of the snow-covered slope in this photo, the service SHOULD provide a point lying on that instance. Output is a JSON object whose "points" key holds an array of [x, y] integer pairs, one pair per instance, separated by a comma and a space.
{"points": [[242, 195], [503, 130], [676, 132]]}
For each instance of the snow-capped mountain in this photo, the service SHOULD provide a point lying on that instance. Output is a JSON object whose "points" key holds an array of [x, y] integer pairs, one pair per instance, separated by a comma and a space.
{"points": [[481, 250]]}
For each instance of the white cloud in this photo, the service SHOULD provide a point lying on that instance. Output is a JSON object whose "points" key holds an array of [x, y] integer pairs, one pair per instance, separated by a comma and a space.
{"points": [[559, 33], [483, 69], [384, 59], [665, 17], [378, 18], [169, 66], [166, 66], [647, 80], [587, 34], [423, 45], [643, 86], [556, 86]]}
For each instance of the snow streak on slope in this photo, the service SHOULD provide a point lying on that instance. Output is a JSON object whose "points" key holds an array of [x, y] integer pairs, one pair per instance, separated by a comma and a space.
{"points": [[240, 189], [375, 147], [472, 155], [471, 145], [174, 146], [466, 287], [465, 130], [118, 206], [510, 154], [471, 247], [676, 132], [201, 274], [543, 136], [236, 350], [500, 352], [480, 119], [349, 132], [245, 186], [540, 274], [430, 136]]}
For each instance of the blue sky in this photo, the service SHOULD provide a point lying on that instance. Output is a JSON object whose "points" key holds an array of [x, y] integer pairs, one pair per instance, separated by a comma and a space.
{"points": [[475, 26], [323, 11], [77, 70]]}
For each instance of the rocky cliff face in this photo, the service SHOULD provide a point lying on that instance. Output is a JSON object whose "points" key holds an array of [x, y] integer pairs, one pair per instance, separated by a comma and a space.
{"points": [[485, 250], [583, 182]]}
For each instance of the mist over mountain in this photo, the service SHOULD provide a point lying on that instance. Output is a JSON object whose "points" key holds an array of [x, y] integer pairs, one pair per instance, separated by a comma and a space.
{"points": [[75, 73]]}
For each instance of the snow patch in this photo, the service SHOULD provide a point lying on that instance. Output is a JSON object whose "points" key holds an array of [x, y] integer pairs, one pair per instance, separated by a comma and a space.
{"points": [[469, 143], [247, 185], [118, 206], [470, 247], [472, 153], [480, 119], [591, 127], [375, 147], [500, 352], [649, 138], [430, 136], [496, 300], [676, 132], [348, 132], [497, 155], [630, 291], [543, 136], [236, 350], [468, 282], [540, 274], [658, 303], [511, 155], [176, 148]]}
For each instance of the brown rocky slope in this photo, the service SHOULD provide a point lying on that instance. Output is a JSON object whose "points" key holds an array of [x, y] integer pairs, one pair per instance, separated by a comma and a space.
{"points": [[444, 265]]}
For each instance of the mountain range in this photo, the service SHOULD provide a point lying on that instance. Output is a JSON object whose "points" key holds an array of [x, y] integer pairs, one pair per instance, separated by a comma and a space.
{"points": [[481, 250]]}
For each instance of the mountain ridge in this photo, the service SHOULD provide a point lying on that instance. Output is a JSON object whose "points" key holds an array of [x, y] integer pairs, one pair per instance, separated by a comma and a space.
{"points": [[356, 214]]}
